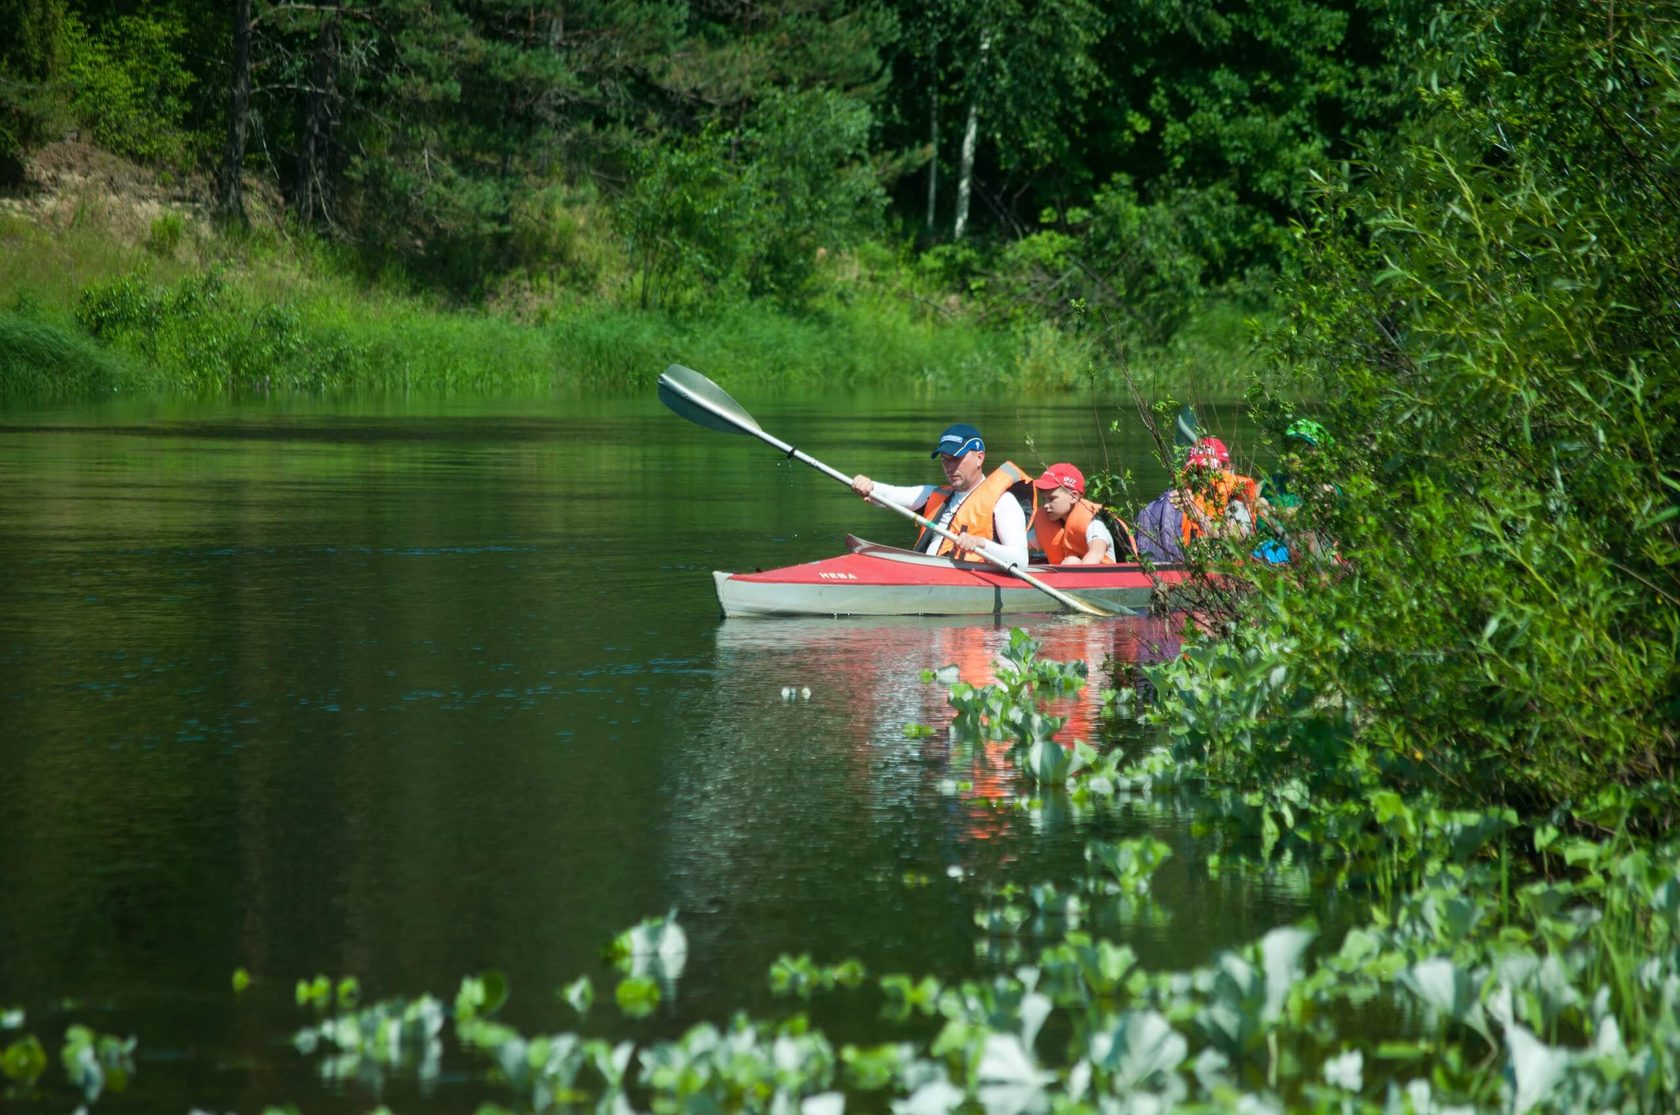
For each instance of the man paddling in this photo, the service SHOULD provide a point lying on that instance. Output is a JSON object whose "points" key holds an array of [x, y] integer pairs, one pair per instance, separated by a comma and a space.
{"points": [[981, 510]]}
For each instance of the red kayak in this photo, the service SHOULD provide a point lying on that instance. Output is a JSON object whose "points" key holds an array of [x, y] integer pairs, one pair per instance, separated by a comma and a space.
{"points": [[873, 580]]}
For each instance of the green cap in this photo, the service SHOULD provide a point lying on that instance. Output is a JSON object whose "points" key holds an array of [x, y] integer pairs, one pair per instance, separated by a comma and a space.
{"points": [[1305, 429]]}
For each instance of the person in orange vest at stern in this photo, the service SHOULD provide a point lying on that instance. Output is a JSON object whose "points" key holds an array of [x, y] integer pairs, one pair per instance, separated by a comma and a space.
{"points": [[1207, 500], [982, 510], [1068, 527]]}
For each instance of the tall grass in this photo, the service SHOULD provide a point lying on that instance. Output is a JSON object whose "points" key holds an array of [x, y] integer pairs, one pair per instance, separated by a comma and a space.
{"points": [[42, 360], [257, 313]]}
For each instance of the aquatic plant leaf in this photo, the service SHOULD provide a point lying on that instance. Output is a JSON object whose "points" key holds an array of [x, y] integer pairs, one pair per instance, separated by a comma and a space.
{"points": [[1049, 761], [637, 996], [24, 1060], [611, 1063], [1501, 1005], [1532, 1069], [1005, 1059], [1346, 1071], [1211, 1069], [1390, 806], [1579, 851], [1140, 1045], [1516, 968], [936, 1097], [1452, 919], [657, 947], [1010, 1080], [1449, 989], [1358, 947], [1666, 901], [1281, 951], [1607, 1040], [824, 1103], [80, 1062], [480, 995], [1035, 1008], [580, 994], [1226, 1025]]}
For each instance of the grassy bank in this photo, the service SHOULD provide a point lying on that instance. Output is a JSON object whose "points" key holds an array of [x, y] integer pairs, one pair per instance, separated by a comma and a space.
{"points": [[182, 309]]}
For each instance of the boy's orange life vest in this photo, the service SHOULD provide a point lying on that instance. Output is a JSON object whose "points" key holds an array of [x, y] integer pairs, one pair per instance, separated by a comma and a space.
{"points": [[975, 514], [1058, 540], [1225, 487]]}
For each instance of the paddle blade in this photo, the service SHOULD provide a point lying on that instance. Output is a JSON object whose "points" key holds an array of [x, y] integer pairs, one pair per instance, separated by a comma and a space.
{"points": [[1184, 427], [703, 402]]}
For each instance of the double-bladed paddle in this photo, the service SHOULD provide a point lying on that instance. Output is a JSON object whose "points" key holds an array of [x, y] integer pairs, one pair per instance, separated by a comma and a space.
{"points": [[704, 403], [1185, 432]]}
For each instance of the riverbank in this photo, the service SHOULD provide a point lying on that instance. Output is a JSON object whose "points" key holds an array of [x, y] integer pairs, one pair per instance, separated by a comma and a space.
{"points": [[114, 283]]}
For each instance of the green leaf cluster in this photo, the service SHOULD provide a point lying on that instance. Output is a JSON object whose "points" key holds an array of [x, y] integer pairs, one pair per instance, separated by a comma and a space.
{"points": [[1488, 322]]}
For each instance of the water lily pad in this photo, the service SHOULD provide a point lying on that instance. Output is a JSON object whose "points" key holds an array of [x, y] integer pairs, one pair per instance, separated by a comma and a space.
{"points": [[24, 1060]]}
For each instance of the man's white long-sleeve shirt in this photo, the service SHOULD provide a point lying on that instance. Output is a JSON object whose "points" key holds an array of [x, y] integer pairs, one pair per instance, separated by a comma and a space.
{"points": [[1009, 521]]}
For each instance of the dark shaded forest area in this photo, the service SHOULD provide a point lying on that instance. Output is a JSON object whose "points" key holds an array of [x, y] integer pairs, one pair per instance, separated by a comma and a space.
{"points": [[1130, 158]]}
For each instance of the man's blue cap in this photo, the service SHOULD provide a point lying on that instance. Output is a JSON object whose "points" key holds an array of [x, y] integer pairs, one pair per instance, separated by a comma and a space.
{"points": [[957, 440]]}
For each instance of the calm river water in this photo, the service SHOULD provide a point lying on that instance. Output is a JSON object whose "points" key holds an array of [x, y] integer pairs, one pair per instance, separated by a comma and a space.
{"points": [[408, 691]]}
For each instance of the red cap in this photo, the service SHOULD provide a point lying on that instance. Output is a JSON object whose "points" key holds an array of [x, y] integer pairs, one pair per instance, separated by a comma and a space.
{"points": [[1210, 452], [1062, 476]]}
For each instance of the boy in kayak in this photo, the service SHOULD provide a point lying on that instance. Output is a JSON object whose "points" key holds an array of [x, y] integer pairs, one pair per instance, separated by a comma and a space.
{"points": [[983, 511], [1068, 527]]}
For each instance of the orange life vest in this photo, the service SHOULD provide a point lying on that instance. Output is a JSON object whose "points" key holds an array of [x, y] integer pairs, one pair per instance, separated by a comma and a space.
{"points": [[1226, 486], [975, 514], [1058, 540]]}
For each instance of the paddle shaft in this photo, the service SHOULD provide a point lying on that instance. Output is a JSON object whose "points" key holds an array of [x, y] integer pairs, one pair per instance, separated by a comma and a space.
{"points": [[1013, 568]]}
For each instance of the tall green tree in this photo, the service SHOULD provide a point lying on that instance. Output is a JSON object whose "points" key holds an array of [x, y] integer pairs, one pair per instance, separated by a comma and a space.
{"points": [[1014, 80], [29, 56]]}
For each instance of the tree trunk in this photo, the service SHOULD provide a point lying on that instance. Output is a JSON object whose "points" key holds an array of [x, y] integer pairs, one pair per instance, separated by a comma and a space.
{"points": [[313, 197], [230, 203], [933, 141], [971, 133]]}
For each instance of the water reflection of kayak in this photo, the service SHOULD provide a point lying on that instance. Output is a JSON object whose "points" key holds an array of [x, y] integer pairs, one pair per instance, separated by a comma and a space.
{"points": [[872, 580]]}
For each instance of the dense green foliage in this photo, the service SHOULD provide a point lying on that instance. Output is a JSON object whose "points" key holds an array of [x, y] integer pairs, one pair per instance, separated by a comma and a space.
{"points": [[1490, 321], [1159, 151], [29, 56]]}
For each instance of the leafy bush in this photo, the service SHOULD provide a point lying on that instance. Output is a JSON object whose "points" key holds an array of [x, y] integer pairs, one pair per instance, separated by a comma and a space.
{"points": [[1490, 320], [129, 84], [211, 340], [165, 234], [752, 210]]}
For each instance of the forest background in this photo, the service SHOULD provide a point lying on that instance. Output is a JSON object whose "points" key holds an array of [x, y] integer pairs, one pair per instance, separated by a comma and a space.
{"points": [[974, 191], [1453, 224]]}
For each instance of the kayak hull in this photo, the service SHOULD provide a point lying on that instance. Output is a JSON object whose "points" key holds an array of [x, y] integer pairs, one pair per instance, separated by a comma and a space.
{"points": [[876, 580]]}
